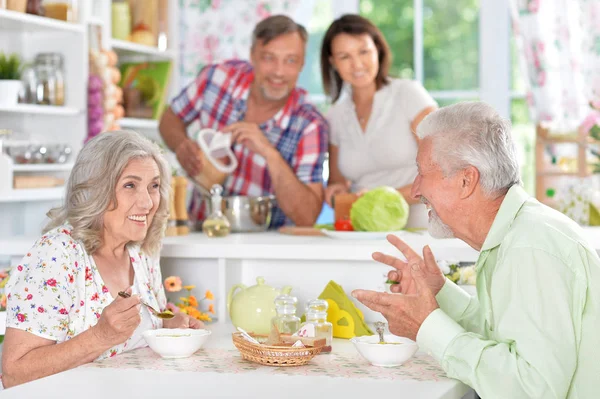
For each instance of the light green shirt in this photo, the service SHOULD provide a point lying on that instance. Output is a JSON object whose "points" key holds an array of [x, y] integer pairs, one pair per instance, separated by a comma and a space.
{"points": [[534, 329]]}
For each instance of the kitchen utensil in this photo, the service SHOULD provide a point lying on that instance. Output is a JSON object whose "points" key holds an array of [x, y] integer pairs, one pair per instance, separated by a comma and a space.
{"points": [[246, 214], [380, 328], [218, 160], [252, 308], [176, 343], [300, 231], [161, 315], [393, 352]]}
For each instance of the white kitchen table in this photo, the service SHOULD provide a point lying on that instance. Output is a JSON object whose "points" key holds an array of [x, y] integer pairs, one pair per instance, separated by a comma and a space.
{"points": [[218, 371]]}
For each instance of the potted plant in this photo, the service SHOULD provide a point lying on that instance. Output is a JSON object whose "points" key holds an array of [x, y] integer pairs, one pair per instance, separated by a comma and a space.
{"points": [[10, 79]]}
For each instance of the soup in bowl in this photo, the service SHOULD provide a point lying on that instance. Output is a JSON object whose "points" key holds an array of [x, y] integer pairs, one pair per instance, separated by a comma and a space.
{"points": [[174, 343]]}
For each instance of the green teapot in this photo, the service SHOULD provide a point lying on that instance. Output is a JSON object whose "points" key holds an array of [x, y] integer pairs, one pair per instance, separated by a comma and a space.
{"points": [[252, 308]]}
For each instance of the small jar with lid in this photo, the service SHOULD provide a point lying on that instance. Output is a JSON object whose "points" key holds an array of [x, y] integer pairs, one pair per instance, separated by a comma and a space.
{"points": [[316, 314], [50, 79], [286, 321]]}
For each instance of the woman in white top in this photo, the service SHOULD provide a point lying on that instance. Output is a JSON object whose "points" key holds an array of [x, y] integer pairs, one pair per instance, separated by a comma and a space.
{"points": [[373, 117], [63, 307]]}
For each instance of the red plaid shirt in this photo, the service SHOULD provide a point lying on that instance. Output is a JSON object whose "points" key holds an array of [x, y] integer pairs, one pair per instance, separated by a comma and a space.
{"points": [[218, 97]]}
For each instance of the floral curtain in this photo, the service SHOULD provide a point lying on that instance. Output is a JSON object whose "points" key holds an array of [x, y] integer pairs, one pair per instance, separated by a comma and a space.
{"points": [[216, 30], [559, 45]]}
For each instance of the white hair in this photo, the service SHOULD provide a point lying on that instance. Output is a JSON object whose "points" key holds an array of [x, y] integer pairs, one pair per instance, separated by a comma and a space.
{"points": [[92, 185], [473, 133]]}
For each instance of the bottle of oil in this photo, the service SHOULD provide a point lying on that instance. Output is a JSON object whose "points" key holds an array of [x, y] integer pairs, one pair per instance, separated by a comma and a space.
{"points": [[216, 224], [316, 314]]}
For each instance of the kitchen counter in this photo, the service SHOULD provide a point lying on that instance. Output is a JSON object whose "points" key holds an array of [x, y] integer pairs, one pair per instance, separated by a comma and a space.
{"points": [[304, 262], [273, 245], [307, 263]]}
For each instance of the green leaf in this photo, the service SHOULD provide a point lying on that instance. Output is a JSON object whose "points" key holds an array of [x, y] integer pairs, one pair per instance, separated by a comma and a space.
{"points": [[10, 67]]}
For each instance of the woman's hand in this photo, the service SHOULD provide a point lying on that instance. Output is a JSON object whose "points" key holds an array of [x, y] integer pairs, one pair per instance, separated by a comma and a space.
{"points": [[118, 320], [334, 189], [181, 320]]}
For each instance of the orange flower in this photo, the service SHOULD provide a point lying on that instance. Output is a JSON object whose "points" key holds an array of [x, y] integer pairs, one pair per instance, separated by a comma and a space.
{"points": [[193, 301], [173, 284], [204, 317], [3, 301], [211, 308], [189, 287], [209, 295], [192, 312], [184, 300]]}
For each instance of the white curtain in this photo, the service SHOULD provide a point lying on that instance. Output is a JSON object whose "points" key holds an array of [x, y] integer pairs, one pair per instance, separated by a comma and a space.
{"points": [[216, 30], [559, 46]]}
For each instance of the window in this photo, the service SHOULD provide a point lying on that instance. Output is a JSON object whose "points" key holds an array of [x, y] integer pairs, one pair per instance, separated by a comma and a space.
{"points": [[460, 50]]}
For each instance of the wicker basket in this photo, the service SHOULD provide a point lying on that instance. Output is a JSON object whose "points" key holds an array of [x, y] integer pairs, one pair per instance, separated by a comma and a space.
{"points": [[282, 356]]}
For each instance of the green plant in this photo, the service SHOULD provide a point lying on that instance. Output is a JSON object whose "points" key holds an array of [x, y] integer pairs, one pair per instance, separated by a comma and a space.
{"points": [[380, 209], [10, 67]]}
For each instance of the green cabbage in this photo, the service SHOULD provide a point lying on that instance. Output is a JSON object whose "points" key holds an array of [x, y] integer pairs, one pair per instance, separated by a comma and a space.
{"points": [[381, 209]]}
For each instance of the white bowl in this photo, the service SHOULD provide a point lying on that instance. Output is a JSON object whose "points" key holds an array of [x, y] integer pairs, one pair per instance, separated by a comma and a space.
{"points": [[175, 343], [394, 352]]}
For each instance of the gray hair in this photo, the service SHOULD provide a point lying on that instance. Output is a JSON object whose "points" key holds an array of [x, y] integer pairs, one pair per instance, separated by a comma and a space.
{"points": [[92, 188], [275, 26], [473, 133]]}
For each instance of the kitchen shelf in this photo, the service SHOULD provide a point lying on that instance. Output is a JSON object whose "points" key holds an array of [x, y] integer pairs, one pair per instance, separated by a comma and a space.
{"points": [[33, 194], [125, 48], [40, 109], [43, 167], [138, 123], [21, 22], [95, 21]]}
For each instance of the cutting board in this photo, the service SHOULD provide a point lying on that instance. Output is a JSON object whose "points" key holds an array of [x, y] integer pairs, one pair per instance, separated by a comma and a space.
{"points": [[300, 231]]}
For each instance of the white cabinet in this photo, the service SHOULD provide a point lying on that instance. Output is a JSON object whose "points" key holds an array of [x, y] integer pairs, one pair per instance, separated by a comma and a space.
{"points": [[23, 211]]}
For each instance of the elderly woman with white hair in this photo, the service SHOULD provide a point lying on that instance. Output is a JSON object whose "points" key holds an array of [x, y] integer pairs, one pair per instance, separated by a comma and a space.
{"points": [[63, 304]]}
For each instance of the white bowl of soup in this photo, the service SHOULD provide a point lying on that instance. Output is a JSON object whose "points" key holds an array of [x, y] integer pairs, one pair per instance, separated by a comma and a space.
{"points": [[175, 343], [393, 352]]}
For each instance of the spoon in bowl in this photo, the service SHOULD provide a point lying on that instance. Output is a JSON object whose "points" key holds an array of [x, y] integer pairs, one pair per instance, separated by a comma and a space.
{"points": [[379, 327], [167, 314]]}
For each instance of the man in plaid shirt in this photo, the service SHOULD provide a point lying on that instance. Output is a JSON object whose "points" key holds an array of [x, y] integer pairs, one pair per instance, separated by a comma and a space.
{"points": [[279, 138]]}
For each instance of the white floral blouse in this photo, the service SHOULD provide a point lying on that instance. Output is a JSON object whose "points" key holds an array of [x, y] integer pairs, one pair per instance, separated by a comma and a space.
{"points": [[56, 292]]}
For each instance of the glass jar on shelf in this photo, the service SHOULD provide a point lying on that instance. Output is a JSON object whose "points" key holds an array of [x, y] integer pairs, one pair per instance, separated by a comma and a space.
{"points": [[286, 321], [50, 79], [35, 7], [316, 315], [121, 19], [63, 10]]}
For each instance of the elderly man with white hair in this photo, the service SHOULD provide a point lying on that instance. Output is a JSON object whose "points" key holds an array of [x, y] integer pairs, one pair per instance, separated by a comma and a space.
{"points": [[532, 331]]}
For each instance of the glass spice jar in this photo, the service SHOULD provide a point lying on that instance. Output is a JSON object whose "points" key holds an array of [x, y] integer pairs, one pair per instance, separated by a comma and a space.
{"points": [[286, 321], [50, 79], [316, 314]]}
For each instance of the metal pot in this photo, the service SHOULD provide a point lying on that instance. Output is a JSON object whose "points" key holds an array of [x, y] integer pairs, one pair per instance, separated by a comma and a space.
{"points": [[246, 214]]}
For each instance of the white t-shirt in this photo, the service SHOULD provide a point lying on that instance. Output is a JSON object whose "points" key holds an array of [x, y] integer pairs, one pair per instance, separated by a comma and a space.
{"points": [[57, 292], [385, 154]]}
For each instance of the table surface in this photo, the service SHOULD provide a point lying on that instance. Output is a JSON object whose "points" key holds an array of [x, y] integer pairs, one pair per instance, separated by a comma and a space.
{"points": [[218, 371]]}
